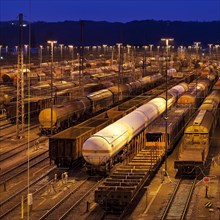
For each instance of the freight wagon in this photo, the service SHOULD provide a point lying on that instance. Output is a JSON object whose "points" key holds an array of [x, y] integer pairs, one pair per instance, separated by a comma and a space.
{"points": [[196, 141]]}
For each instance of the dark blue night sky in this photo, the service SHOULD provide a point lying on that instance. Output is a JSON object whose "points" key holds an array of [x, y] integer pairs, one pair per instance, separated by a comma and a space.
{"points": [[110, 10]]}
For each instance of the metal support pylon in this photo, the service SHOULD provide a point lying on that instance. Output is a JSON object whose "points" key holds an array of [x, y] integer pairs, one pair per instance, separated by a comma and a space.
{"points": [[20, 83]]}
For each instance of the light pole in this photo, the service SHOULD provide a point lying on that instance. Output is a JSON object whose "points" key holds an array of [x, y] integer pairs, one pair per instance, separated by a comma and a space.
{"points": [[128, 53], [167, 40], [71, 50], [197, 52], [112, 55], [158, 54], [189, 55], [25, 49], [216, 47], [210, 50], [144, 61], [104, 50], [25, 53], [119, 63], [197, 48], [16, 50], [41, 57], [151, 46], [61, 60], [158, 50], [6, 53], [51, 83]]}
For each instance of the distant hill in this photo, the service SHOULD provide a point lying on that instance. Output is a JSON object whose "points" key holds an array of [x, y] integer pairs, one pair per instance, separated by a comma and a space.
{"points": [[98, 33]]}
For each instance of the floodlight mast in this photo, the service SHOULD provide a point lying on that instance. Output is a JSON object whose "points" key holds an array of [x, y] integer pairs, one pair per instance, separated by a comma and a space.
{"points": [[51, 83], [167, 40]]}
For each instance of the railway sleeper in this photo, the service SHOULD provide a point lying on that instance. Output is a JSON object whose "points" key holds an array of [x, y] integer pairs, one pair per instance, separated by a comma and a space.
{"points": [[120, 183], [122, 180], [134, 167], [141, 172]]}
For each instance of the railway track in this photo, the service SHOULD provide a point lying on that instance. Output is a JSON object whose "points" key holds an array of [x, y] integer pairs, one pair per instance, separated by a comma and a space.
{"points": [[180, 199], [13, 202], [19, 149], [6, 125], [10, 134], [22, 167], [2, 117], [85, 189], [66, 205]]}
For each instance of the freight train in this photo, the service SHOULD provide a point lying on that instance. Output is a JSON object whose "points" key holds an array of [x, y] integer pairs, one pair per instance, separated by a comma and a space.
{"points": [[65, 148], [7, 93], [10, 78], [179, 115], [119, 189], [108, 146], [104, 147], [40, 99], [65, 115], [196, 142]]}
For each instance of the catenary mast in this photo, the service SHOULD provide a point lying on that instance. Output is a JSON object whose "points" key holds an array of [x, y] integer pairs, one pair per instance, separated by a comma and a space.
{"points": [[20, 83]]}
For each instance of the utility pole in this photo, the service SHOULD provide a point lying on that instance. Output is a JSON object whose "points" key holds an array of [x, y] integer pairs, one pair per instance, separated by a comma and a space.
{"points": [[20, 83]]}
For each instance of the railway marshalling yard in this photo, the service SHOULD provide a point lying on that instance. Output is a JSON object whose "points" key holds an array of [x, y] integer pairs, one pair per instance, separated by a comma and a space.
{"points": [[63, 193], [151, 205]]}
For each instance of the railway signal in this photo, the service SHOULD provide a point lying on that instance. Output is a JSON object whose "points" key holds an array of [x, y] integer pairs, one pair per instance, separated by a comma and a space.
{"points": [[206, 179]]}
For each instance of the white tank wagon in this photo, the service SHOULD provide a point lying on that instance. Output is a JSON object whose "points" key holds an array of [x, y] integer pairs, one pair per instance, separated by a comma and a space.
{"points": [[196, 141], [104, 146]]}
